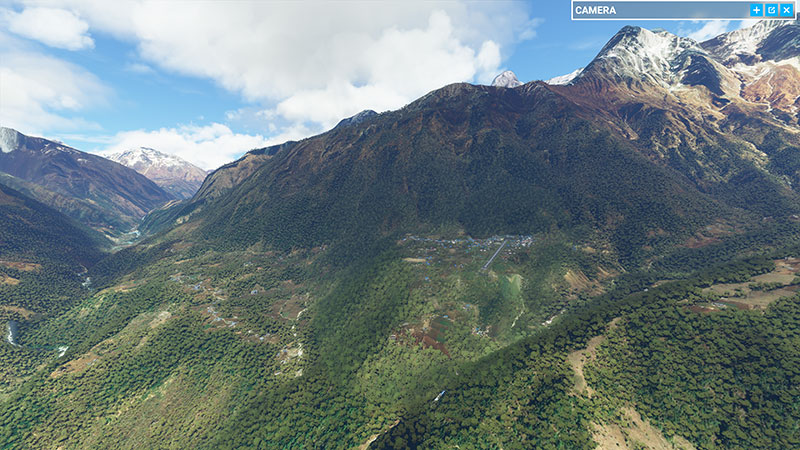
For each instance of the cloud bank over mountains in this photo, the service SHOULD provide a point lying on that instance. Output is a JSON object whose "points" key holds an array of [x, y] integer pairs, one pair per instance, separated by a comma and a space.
{"points": [[301, 71]]}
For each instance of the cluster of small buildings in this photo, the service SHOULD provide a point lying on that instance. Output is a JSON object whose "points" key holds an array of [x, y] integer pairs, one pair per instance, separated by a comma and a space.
{"points": [[481, 332], [514, 241], [468, 245], [231, 323]]}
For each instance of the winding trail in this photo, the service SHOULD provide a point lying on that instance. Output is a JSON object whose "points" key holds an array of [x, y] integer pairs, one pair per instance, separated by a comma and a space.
{"points": [[521, 312]]}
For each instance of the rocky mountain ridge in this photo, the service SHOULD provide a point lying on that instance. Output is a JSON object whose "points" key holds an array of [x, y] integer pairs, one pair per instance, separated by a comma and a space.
{"points": [[174, 174], [100, 193]]}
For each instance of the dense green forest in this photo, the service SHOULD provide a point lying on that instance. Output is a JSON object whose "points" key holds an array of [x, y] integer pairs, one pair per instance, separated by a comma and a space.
{"points": [[42, 256], [266, 349], [725, 380]]}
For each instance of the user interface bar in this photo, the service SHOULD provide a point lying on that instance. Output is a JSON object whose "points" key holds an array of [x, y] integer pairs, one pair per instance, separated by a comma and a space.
{"points": [[680, 10]]}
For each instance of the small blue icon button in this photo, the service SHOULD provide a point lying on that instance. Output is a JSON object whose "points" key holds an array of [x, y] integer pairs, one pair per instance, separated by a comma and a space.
{"points": [[756, 10], [787, 9], [771, 10]]}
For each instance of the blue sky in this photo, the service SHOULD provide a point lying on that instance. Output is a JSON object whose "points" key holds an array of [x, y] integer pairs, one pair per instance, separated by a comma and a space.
{"points": [[209, 80]]}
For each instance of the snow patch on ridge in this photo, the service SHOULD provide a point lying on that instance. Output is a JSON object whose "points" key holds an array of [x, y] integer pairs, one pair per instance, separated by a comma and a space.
{"points": [[565, 79], [356, 119], [735, 46], [10, 140]]}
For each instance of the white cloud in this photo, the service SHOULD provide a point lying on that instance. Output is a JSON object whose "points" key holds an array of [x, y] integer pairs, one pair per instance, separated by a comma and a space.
{"points": [[318, 68], [298, 73], [141, 69], [529, 31], [51, 26], [207, 146], [41, 93], [746, 23], [710, 29], [395, 72]]}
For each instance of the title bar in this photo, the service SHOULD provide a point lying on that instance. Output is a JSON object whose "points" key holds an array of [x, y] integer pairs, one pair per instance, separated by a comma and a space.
{"points": [[680, 10]]}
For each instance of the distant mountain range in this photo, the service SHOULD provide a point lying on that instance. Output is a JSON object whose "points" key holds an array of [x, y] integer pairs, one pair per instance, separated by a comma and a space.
{"points": [[175, 175], [103, 194]]}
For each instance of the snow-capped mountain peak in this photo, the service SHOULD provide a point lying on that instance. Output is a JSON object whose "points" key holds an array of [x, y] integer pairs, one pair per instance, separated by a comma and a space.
{"points": [[356, 119], [641, 53], [565, 79], [171, 172], [146, 156], [641, 58], [11, 140], [743, 45], [507, 79]]}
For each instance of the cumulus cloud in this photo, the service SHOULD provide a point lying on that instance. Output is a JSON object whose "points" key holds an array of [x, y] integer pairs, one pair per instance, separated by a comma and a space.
{"points": [[41, 93], [297, 72], [395, 74], [207, 146], [52, 26], [318, 68]]}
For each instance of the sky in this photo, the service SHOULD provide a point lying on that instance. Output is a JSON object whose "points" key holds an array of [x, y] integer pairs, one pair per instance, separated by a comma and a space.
{"points": [[209, 80]]}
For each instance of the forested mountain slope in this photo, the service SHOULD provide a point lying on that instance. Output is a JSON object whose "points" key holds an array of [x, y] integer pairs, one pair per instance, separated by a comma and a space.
{"points": [[43, 256], [676, 122], [36, 233]]}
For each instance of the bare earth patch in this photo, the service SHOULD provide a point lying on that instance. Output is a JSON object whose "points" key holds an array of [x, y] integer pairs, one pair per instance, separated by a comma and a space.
{"points": [[375, 436], [25, 313], [579, 282], [19, 265], [637, 432], [161, 319], [710, 234], [113, 345], [578, 359], [740, 295], [414, 260], [11, 281], [76, 365], [774, 277]]}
